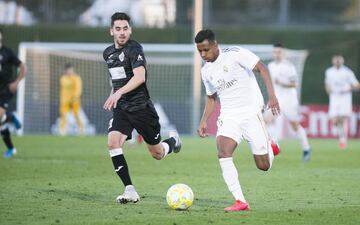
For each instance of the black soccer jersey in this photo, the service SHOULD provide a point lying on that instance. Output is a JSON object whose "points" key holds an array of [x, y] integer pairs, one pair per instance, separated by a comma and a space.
{"points": [[121, 63], [7, 62]]}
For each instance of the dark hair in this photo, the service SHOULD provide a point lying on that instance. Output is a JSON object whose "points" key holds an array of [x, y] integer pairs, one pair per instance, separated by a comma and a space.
{"points": [[68, 65], [278, 45], [205, 35], [119, 16]]}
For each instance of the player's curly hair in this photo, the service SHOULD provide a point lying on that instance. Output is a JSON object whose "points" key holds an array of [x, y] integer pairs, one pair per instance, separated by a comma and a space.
{"points": [[119, 16], [205, 35]]}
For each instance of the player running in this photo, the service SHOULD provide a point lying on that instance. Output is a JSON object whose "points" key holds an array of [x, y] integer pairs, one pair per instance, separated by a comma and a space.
{"points": [[228, 74], [339, 82], [130, 103], [8, 87], [285, 81]]}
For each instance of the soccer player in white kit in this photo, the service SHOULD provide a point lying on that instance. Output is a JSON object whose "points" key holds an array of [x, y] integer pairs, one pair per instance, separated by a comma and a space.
{"points": [[285, 81], [339, 82], [228, 75]]}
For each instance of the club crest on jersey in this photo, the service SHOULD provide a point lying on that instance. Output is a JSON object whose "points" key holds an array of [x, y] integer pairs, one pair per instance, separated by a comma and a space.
{"points": [[140, 58], [225, 69], [122, 57]]}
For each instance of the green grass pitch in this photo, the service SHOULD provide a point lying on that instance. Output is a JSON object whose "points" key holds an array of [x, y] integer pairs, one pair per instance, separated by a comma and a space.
{"points": [[70, 180]]}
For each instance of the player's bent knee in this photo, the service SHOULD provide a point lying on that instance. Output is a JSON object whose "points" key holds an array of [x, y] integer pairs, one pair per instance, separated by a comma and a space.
{"points": [[223, 154], [112, 144]]}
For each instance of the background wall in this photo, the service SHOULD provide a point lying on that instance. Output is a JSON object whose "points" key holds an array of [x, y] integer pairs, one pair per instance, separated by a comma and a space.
{"points": [[321, 43]]}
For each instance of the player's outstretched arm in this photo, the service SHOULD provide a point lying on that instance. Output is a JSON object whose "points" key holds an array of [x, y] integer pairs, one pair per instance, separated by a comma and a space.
{"points": [[208, 109], [273, 103]]}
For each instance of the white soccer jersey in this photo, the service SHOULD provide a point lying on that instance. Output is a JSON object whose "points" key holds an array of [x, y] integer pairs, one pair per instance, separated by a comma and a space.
{"points": [[285, 73], [231, 77]]}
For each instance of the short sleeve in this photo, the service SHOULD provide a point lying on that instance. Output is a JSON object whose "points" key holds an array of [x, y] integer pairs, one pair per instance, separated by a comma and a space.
{"points": [[327, 77], [245, 57], [137, 57], [13, 58], [352, 79], [209, 89], [292, 73]]}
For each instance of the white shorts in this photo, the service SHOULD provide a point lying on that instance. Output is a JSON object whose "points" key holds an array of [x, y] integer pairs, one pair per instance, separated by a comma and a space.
{"points": [[252, 130], [340, 105]]}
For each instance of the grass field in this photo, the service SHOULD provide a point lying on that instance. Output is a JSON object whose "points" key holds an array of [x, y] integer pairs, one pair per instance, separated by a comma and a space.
{"points": [[70, 180]]}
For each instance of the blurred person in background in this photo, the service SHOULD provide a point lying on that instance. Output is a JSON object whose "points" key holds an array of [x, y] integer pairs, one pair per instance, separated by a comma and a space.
{"points": [[340, 81], [8, 88], [285, 81], [70, 98]]}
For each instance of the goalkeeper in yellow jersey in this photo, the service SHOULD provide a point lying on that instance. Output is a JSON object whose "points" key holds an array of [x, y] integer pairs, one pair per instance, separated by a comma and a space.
{"points": [[70, 93]]}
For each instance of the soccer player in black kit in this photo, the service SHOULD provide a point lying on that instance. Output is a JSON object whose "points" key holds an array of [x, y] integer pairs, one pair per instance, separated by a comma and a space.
{"points": [[8, 87], [130, 103]]}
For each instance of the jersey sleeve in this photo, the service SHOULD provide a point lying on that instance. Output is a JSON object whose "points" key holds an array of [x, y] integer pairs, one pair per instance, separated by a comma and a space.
{"points": [[137, 57], [245, 58], [209, 89], [13, 58], [352, 79], [105, 55], [292, 76], [78, 86], [327, 77]]}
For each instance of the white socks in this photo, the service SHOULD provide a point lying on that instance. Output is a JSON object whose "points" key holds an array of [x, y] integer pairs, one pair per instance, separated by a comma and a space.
{"points": [[231, 178], [115, 152], [166, 148], [343, 130], [301, 134]]}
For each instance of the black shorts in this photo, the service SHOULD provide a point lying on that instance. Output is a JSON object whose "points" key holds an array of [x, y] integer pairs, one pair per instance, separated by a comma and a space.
{"points": [[145, 121], [5, 97]]}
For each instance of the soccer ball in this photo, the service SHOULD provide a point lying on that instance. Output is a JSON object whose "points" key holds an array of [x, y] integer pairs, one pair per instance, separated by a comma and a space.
{"points": [[179, 197]]}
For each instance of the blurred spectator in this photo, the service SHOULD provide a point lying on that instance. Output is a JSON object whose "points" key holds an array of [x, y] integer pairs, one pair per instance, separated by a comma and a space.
{"points": [[149, 13], [12, 13]]}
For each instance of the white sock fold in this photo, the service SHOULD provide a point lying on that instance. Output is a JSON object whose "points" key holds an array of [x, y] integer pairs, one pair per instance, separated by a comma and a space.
{"points": [[231, 178], [115, 152], [301, 134], [166, 148]]}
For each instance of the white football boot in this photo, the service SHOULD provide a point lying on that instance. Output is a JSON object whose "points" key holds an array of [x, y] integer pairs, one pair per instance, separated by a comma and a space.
{"points": [[174, 134], [129, 195]]}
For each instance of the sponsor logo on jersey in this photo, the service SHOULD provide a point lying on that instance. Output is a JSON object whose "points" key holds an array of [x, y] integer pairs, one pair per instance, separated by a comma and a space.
{"points": [[140, 58], [222, 84], [122, 57]]}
